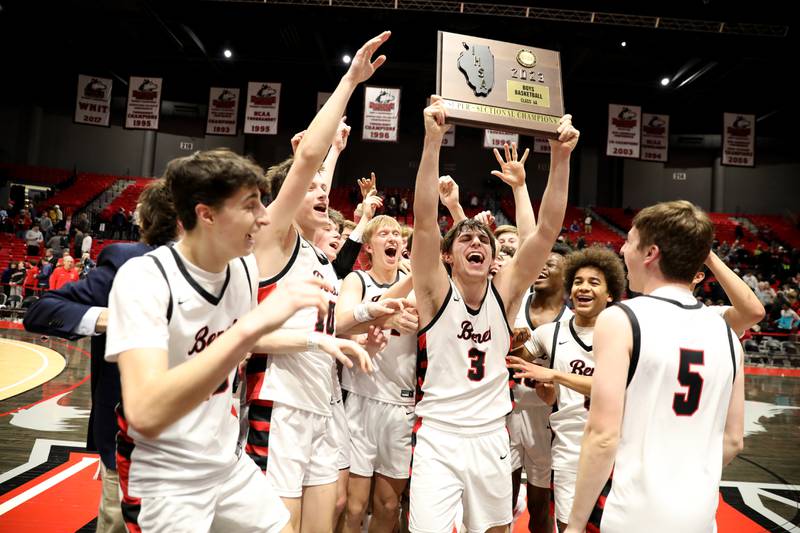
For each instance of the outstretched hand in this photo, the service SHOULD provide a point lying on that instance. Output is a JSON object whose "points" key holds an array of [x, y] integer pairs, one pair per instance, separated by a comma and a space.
{"points": [[363, 67], [370, 205], [512, 169], [526, 370]]}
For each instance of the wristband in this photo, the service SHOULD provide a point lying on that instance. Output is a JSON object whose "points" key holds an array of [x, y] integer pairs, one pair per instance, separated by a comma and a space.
{"points": [[312, 341], [361, 313]]}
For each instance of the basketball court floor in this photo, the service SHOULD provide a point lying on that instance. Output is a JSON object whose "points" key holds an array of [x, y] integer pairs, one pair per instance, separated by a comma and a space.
{"points": [[47, 477]]}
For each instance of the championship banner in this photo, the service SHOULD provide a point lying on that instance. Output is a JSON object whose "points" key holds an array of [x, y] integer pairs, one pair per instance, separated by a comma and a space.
{"points": [[261, 114], [449, 139], [624, 131], [321, 99], [223, 106], [93, 103], [541, 145], [655, 137], [144, 103], [496, 139], [738, 140], [381, 114]]}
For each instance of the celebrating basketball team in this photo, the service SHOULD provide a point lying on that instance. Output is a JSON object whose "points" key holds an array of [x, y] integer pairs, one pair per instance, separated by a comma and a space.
{"points": [[286, 370]]}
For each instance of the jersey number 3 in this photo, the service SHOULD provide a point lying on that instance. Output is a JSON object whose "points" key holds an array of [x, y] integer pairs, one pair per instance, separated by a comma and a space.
{"points": [[477, 367], [686, 403]]}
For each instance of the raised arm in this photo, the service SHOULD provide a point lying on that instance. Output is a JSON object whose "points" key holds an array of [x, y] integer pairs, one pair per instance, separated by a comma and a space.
{"points": [[316, 140], [338, 146], [448, 195], [512, 172], [747, 310], [430, 277], [520, 273]]}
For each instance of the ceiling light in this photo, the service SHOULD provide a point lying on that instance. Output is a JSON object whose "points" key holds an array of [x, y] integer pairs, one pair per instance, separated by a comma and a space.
{"points": [[346, 59], [227, 53], [664, 82], [623, 44]]}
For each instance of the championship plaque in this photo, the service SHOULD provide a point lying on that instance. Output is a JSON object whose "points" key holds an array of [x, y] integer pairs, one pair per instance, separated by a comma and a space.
{"points": [[499, 86]]}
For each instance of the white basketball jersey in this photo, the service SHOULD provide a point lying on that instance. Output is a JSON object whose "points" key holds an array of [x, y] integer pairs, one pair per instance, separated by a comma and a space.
{"points": [[302, 380], [393, 378], [200, 448], [524, 395], [570, 352], [462, 378], [669, 460]]}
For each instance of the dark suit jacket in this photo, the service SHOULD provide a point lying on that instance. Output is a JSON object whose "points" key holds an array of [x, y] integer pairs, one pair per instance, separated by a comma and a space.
{"points": [[58, 313]]}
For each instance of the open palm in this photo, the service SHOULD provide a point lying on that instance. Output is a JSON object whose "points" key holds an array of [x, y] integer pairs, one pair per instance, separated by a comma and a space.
{"points": [[512, 169]]}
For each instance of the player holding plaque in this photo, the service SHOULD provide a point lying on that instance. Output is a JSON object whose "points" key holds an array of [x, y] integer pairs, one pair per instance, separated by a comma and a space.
{"points": [[497, 85]]}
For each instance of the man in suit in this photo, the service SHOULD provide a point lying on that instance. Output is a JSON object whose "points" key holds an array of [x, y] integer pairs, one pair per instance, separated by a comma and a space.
{"points": [[80, 309]]}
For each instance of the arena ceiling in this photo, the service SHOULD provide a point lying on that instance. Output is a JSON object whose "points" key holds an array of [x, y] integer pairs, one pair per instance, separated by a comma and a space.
{"points": [[720, 57]]}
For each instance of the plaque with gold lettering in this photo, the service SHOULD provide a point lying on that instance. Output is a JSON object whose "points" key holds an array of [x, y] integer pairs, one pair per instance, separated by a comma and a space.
{"points": [[498, 85]]}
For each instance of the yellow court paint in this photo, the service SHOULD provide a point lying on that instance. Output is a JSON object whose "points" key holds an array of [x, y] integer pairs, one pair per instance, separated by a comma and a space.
{"points": [[24, 366]]}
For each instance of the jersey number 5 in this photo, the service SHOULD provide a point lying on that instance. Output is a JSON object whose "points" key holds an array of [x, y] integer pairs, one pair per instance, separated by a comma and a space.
{"points": [[686, 403], [477, 367]]}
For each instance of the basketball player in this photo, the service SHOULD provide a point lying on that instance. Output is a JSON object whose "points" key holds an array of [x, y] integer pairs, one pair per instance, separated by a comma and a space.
{"points": [[291, 396], [461, 444], [667, 404], [595, 278], [380, 406], [179, 323], [528, 423]]}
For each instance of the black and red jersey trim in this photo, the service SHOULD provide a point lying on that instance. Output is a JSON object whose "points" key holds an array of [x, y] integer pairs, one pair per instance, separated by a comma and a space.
{"points": [[285, 269], [637, 340]]}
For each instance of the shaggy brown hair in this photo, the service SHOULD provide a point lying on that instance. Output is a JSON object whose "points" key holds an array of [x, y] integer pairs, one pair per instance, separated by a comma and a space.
{"points": [[604, 260], [157, 217], [209, 178], [683, 233]]}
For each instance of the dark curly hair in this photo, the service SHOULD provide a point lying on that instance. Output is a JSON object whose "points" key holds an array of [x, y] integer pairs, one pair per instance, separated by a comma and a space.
{"points": [[603, 259]]}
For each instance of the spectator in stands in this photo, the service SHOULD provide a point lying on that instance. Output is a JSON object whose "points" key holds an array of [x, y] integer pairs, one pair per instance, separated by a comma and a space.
{"points": [[22, 223], [3, 213], [67, 273], [751, 280], [31, 281], [56, 243], [403, 208], [587, 223], [788, 320], [6, 225], [574, 227], [34, 238], [77, 243], [765, 293], [391, 205], [86, 243], [5, 278], [118, 221], [82, 222], [50, 256], [46, 226], [46, 268], [16, 279], [59, 216]]}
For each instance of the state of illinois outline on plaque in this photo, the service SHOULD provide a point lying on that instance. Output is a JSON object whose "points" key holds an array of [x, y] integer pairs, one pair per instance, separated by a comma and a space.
{"points": [[498, 85]]}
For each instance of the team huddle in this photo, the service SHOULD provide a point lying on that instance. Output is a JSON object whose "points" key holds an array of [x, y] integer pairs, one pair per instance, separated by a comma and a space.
{"points": [[460, 362]]}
